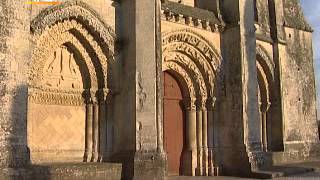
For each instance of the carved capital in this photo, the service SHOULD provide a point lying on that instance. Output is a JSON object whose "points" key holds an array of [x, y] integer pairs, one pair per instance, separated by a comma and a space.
{"points": [[104, 95], [265, 106], [90, 96], [201, 103], [189, 104], [211, 103]]}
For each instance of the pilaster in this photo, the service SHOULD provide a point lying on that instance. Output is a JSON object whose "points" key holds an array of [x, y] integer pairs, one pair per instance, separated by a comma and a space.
{"points": [[139, 28], [242, 125], [14, 58]]}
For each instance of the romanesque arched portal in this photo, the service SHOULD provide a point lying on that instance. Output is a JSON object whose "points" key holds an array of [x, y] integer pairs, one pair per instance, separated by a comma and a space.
{"points": [[69, 84], [269, 101], [195, 64]]}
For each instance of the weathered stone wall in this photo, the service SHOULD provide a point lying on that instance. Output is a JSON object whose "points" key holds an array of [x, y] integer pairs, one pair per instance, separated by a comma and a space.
{"points": [[138, 138], [262, 20], [56, 133], [135, 126], [14, 58], [298, 93]]}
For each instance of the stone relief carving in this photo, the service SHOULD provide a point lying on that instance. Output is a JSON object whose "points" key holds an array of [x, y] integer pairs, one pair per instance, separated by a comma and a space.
{"points": [[68, 58], [142, 95], [61, 71]]}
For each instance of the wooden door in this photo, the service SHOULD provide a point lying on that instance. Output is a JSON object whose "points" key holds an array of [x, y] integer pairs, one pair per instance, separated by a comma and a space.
{"points": [[173, 123]]}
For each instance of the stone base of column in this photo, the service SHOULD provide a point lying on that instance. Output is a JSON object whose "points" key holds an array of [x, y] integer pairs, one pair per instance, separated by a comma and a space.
{"points": [[214, 171], [205, 162], [233, 161], [14, 156], [199, 168], [259, 160], [87, 156], [297, 152], [189, 165], [106, 156], [95, 157], [141, 165], [149, 165]]}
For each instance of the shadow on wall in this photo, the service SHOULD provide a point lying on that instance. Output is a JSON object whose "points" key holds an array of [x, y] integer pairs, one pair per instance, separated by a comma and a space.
{"points": [[18, 153], [319, 128]]}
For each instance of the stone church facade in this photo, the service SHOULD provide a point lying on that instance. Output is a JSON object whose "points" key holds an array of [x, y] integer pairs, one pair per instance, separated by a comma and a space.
{"points": [[188, 87]]}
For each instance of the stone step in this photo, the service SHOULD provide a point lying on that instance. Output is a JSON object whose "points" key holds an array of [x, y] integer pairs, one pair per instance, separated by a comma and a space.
{"points": [[280, 171], [65, 171]]}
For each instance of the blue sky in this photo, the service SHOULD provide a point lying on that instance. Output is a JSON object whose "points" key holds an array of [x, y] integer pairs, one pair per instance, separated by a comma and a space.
{"points": [[311, 10]]}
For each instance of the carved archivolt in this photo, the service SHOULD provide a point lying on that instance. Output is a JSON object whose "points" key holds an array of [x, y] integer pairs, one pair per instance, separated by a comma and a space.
{"points": [[193, 52], [72, 51], [179, 70], [82, 13], [266, 72], [265, 60]]}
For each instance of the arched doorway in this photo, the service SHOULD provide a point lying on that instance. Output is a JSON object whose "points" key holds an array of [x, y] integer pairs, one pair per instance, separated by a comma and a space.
{"points": [[174, 127], [194, 63], [68, 85], [269, 103]]}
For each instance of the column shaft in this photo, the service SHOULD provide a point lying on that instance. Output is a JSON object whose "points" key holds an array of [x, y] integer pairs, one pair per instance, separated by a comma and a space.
{"points": [[211, 162], [190, 151], [103, 130], [88, 132], [205, 141], [95, 130], [110, 125], [199, 141], [191, 142], [264, 131]]}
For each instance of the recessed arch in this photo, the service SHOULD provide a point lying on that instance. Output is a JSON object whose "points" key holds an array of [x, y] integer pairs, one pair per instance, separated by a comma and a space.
{"points": [[192, 69], [183, 77], [196, 48], [197, 63], [70, 39], [270, 110]]}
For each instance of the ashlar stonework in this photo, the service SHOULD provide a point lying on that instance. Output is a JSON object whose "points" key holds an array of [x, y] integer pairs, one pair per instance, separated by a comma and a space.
{"points": [[146, 89]]}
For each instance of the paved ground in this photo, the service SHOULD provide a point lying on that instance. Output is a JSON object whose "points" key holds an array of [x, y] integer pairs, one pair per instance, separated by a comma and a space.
{"points": [[315, 175], [306, 176]]}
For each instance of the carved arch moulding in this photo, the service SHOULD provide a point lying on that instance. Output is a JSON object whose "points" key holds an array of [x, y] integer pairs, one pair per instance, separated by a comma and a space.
{"points": [[72, 36], [198, 57], [265, 61]]}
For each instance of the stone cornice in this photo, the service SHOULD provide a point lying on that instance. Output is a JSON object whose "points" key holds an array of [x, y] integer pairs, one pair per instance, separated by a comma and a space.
{"points": [[192, 16]]}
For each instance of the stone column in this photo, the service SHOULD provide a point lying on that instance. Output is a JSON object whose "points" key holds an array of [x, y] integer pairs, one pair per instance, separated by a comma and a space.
{"points": [[14, 58], [190, 151], [241, 125], [88, 130], [199, 138], [95, 129], [211, 136], [204, 138], [264, 109], [103, 100], [138, 112], [110, 126]]}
